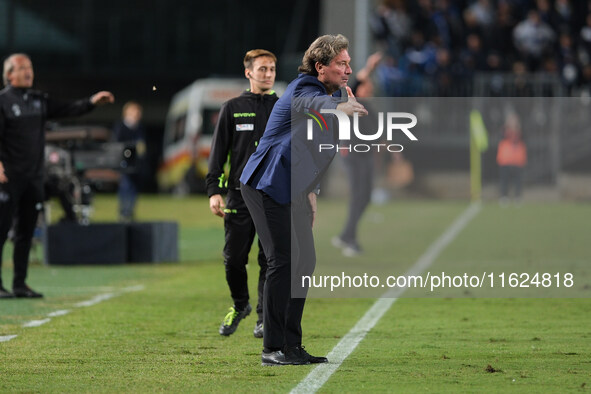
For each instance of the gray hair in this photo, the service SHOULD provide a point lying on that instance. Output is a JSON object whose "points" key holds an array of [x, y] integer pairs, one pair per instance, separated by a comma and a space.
{"points": [[9, 65], [322, 50]]}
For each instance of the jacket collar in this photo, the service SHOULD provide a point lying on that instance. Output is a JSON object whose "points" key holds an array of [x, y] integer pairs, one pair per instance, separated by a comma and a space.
{"points": [[311, 79], [248, 93], [20, 91]]}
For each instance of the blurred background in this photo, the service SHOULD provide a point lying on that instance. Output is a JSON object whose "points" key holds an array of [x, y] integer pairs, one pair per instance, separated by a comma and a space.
{"points": [[150, 50]]}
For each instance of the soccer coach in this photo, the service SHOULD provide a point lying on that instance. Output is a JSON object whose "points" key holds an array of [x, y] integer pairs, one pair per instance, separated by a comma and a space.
{"points": [[284, 214], [22, 155]]}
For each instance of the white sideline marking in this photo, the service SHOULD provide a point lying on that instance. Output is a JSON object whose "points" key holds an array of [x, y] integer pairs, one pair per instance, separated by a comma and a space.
{"points": [[319, 375], [103, 297], [36, 323], [93, 301], [133, 288], [83, 289], [59, 313]]}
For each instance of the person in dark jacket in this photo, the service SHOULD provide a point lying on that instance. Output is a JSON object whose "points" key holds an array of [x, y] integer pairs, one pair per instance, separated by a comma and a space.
{"points": [[23, 112], [241, 124], [279, 185], [130, 131]]}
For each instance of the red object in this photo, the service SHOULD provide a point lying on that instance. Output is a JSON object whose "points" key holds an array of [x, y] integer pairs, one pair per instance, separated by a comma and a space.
{"points": [[512, 150]]}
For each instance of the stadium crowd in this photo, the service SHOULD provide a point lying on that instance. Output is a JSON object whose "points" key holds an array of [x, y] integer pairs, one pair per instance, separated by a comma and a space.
{"points": [[435, 47]]}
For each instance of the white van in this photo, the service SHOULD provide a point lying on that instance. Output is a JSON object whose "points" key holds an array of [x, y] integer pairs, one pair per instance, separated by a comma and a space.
{"points": [[188, 132]]}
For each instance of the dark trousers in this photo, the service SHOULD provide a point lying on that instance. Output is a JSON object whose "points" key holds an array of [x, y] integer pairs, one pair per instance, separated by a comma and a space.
{"points": [[240, 231], [127, 196], [286, 234], [21, 200], [63, 190], [511, 176], [359, 168]]}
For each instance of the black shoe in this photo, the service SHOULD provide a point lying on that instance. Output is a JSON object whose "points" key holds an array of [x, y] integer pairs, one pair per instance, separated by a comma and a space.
{"points": [[298, 352], [280, 358], [273, 358], [258, 330], [5, 293], [25, 292], [230, 323]]}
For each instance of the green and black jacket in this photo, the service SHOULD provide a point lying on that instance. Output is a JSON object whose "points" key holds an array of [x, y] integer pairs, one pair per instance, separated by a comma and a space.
{"points": [[241, 124]]}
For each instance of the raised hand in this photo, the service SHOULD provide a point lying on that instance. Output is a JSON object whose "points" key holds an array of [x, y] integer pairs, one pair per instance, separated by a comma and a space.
{"points": [[352, 106], [102, 97]]}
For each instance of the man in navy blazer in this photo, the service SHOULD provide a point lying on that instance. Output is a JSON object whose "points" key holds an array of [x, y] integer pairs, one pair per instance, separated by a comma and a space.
{"points": [[279, 185]]}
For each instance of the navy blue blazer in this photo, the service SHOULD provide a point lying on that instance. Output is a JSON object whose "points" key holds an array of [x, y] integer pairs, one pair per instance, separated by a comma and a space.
{"points": [[284, 147]]}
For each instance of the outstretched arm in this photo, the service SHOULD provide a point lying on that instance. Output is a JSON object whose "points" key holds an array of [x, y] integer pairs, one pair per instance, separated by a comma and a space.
{"points": [[57, 108], [370, 66], [102, 98]]}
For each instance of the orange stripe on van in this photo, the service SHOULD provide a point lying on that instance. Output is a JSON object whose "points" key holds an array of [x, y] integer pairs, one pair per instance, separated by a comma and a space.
{"points": [[181, 157]]}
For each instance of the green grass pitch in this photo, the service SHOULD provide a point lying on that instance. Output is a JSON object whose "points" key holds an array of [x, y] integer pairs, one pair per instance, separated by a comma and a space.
{"points": [[164, 338]]}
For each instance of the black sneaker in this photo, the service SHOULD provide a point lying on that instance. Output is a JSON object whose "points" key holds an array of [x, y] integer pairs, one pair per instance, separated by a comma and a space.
{"points": [[300, 352], [25, 292], [273, 358], [280, 358], [230, 323], [5, 293], [258, 330]]}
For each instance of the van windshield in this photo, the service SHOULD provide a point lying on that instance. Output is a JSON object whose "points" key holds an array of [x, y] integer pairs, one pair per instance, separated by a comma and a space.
{"points": [[177, 129], [210, 120]]}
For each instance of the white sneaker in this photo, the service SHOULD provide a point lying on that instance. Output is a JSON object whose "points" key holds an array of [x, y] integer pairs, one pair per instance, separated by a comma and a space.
{"points": [[351, 251], [337, 242]]}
